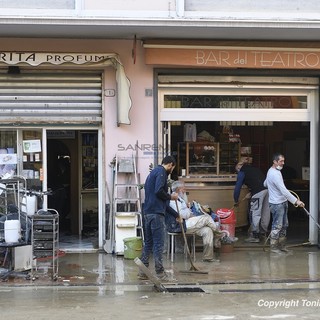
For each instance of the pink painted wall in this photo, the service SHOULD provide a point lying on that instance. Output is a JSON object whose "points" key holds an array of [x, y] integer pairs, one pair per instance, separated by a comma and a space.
{"points": [[141, 129]]}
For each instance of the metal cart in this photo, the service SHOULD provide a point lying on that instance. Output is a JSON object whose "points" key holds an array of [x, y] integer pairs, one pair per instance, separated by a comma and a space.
{"points": [[45, 243], [15, 226], [11, 205]]}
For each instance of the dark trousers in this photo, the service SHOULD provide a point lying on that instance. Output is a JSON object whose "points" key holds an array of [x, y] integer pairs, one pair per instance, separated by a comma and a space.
{"points": [[153, 240]]}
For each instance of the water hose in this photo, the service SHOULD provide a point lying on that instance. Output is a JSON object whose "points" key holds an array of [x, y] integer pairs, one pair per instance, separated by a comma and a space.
{"points": [[305, 210]]}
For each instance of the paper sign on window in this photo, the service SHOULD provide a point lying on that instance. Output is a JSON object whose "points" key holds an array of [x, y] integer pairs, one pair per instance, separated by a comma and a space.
{"points": [[30, 146], [8, 158]]}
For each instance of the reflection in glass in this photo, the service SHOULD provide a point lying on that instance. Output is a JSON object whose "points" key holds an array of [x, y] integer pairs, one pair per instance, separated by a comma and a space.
{"points": [[8, 153], [227, 101]]}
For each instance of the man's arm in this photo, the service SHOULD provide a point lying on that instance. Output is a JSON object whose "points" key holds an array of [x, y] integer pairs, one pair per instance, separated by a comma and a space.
{"points": [[184, 211], [286, 193], [171, 211], [237, 188], [161, 182]]}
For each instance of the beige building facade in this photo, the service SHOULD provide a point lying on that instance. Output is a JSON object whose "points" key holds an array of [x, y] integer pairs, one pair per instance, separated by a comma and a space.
{"points": [[95, 79]]}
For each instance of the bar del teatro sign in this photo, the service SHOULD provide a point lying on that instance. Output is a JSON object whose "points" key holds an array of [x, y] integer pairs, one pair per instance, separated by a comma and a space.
{"points": [[234, 57]]}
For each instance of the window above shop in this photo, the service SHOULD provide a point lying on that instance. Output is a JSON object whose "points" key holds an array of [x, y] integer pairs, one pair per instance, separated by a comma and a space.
{"points": [[227, 101], [240, 99]]}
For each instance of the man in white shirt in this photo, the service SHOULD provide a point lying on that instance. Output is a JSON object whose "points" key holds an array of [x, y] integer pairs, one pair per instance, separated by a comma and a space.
{"points": [[279, 196], [202, 225]]}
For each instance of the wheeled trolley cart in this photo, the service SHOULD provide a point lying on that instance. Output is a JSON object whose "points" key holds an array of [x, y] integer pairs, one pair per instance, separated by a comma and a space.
{"points": [[45, 243], [15, 229]]}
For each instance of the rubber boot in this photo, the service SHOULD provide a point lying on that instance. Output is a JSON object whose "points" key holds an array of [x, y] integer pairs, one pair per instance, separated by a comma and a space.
{"points": [[282, 245], [253, 238], [217, 253], [263, 237], [274, 246]]}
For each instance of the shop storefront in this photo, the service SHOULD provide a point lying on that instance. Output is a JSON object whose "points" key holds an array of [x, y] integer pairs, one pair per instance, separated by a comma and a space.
{"points": [[52, 111], [212, 119]]}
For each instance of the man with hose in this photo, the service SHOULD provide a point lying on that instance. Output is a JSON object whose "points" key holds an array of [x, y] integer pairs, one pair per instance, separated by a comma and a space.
{"points": [[279, 196]]}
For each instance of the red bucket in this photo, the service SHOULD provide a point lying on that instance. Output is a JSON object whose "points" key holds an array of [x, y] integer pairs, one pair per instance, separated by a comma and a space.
{"points": [[227, 220]]}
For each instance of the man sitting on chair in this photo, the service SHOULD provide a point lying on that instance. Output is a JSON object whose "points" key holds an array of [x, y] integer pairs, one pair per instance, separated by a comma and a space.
{"points": [[201, 225]]}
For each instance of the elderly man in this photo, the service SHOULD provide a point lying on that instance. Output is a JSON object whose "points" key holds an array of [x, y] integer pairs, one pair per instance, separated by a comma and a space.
{"points": [[202, 225]]}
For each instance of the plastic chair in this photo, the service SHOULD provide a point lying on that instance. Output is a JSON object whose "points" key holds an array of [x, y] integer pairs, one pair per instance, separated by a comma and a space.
{"points": [[171, 244]]}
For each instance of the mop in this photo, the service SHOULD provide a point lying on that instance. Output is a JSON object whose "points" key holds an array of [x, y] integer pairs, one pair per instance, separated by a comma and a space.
{"points": [[247, 196], [192, 269], [157, 284]]}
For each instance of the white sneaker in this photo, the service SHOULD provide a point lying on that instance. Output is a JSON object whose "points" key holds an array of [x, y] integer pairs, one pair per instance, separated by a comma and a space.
{"points": [[163, 276], [142, 276], [211, 260], [252, 240]]}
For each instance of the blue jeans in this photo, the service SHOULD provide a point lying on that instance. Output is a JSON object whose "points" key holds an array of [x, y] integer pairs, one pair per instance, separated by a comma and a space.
{"points": [[280, 222], [153, 240]]}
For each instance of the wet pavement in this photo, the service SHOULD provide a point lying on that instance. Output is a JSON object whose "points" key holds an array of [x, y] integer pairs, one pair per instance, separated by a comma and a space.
{"points": [[248, 283], [246, 264]]}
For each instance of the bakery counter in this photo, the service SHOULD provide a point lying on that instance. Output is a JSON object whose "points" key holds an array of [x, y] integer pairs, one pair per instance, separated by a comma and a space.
{"points": [[217, 193]]}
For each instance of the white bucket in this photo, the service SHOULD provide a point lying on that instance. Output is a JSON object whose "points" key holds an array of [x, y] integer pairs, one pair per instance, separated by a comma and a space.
{"points": [[30, 203], [12, 231]]}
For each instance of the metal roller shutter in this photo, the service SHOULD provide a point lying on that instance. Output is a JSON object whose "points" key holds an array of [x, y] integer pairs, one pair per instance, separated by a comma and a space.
{"points": [[47, 97]]}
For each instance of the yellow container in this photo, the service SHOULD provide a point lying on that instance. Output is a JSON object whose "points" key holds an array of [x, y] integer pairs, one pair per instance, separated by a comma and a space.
{"points": [[132, 247]]}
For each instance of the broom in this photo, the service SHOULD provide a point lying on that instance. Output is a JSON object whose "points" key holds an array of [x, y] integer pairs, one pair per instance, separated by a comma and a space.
{"points": [[192, 269]]}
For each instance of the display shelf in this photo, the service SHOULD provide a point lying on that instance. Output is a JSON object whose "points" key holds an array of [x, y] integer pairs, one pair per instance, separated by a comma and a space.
{"points": [[207, 158], [229, 155], [197, 158], [89, 160], [88, 206]]}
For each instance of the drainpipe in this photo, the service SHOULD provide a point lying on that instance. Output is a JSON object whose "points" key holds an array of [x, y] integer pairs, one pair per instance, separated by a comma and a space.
{"points": [[180, 8]]}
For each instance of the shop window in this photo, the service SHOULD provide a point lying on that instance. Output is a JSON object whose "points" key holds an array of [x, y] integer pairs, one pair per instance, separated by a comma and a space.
{"points": [[31, 167], [25, 161], [8, 153]]}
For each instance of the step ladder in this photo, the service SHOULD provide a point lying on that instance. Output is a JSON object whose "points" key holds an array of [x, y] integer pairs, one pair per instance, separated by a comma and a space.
{"points": [[126, 202]]}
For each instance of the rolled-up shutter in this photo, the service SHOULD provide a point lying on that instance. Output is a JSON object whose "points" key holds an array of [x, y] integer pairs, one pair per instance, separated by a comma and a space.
{"points": [[51, 97]]}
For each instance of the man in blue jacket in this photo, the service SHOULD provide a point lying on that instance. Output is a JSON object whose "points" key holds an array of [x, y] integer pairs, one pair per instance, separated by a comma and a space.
{"points": [[156, 201], [259, 214]]}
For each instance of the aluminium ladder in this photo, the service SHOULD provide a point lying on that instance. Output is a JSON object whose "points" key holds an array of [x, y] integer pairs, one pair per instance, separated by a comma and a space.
{"points": [[126, 203]]}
